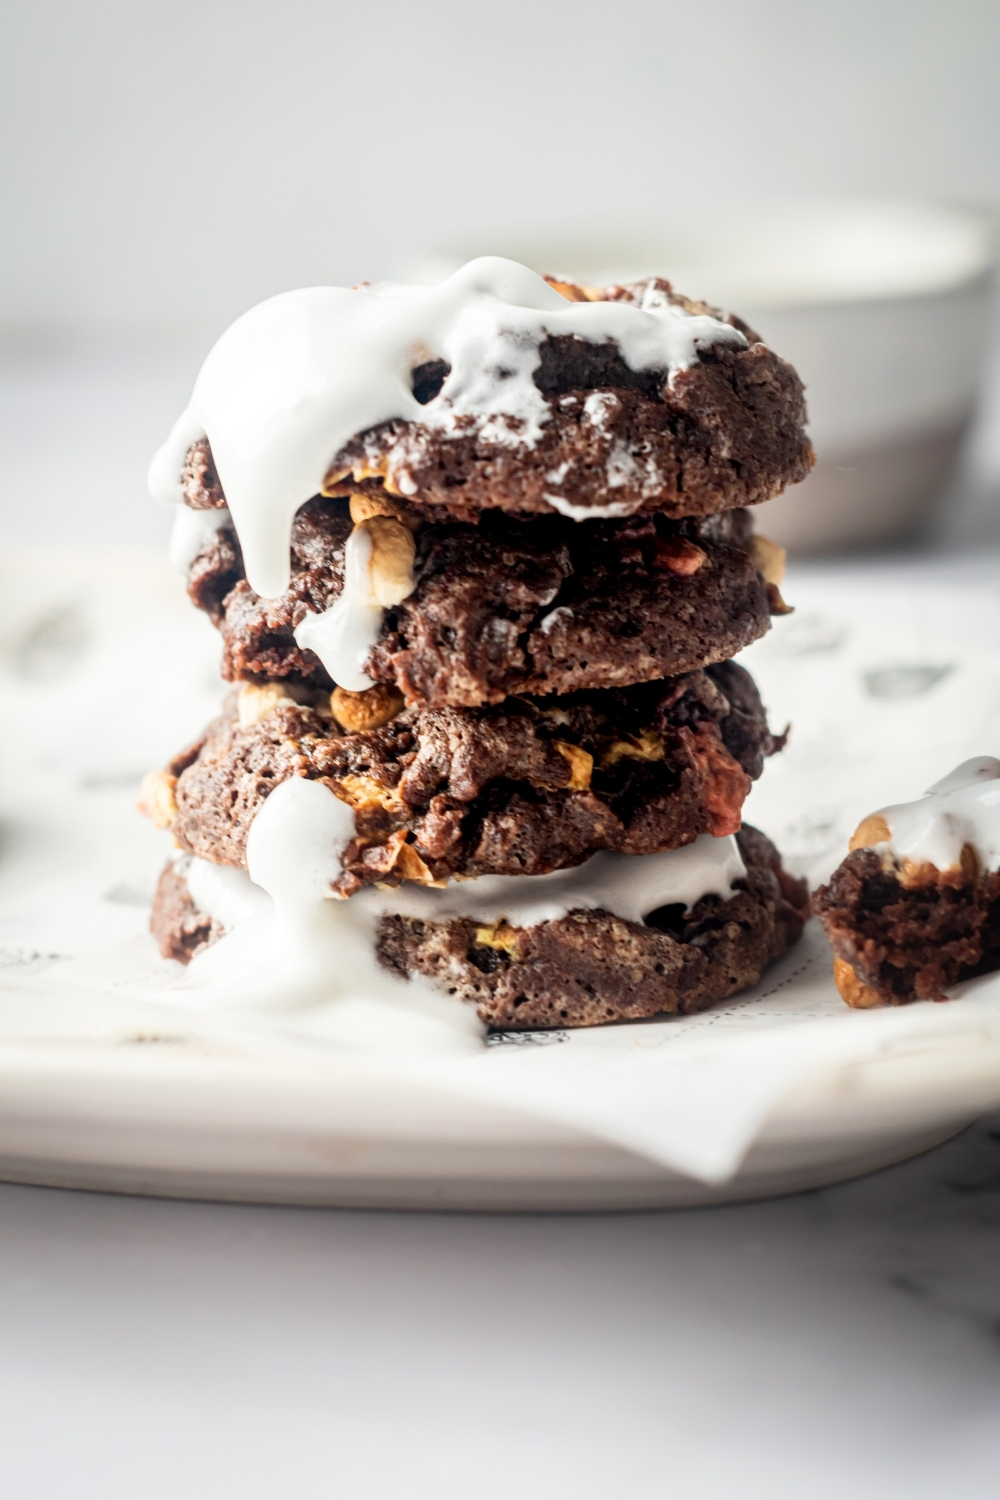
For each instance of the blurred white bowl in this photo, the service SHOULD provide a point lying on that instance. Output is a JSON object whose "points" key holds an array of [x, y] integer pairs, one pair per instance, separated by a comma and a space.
{"points": [[884, 309]]}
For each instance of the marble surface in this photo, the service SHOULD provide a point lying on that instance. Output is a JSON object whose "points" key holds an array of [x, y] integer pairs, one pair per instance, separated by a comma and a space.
{"points": [[845, 1341]]}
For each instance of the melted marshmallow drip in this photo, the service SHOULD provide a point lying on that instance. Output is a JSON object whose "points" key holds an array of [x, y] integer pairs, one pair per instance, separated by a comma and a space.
{"points": [[613, 511], [628, 885], [191, 530], [306, 954], [225, 893], [963, 808], [343, 635], [554, 617], [290, 382]]}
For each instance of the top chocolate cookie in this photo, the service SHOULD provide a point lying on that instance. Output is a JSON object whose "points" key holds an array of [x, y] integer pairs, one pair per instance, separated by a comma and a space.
{"points": [[725, 431], [494, 390]]}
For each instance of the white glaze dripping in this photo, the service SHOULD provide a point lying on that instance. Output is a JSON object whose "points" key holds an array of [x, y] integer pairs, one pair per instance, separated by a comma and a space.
{"points": [[301, 951], [629, 886], [615, 510], [290, 382], [963, 808], [290, 947], [555, 617], [344, 634], [226, 894], [192, 530]]}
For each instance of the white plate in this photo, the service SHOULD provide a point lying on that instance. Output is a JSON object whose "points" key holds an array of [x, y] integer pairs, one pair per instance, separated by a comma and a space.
{"points": [[98, 1091], [177, 1121], [185, 1121], [889, 680]]}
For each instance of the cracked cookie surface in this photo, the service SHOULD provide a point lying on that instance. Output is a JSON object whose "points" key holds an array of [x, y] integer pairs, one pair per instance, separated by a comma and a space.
{"points": [[506, 606], [526, 787]]}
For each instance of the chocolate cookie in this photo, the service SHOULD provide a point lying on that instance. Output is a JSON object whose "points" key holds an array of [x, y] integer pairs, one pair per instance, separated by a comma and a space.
{"points": [[728, 431], [586, 968], [523, 788], [180, 929], [508, 606], [896, 942]]}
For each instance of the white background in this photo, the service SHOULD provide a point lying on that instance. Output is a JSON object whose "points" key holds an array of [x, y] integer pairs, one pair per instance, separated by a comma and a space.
{"points": [[172, 161]]}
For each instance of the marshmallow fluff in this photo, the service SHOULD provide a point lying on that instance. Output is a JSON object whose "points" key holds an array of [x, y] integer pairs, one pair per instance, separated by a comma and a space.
{"points": [[301, 954], [963, 808], [627, 885], [291, 949], [292, 380], [343, 635], [192, 530]]}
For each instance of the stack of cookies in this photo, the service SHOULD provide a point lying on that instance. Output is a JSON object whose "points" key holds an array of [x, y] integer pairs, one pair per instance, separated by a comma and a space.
{"points": [[503, 634]]}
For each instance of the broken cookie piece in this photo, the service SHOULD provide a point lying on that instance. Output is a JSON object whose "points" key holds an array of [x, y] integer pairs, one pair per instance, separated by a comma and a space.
{"points": [[915, 906]]}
